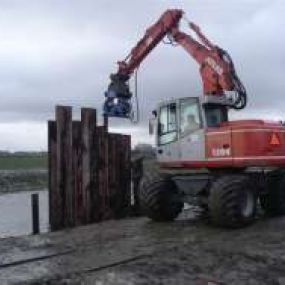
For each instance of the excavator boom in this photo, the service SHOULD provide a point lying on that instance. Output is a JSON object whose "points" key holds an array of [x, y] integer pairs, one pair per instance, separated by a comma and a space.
{"points": [[216, 67]]}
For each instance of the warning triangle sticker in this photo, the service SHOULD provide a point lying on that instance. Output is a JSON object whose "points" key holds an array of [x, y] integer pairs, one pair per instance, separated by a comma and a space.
{"points": [[274, 139]]}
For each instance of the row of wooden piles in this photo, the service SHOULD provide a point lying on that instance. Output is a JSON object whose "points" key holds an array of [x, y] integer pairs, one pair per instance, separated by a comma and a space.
{"points": [[89, 170]]}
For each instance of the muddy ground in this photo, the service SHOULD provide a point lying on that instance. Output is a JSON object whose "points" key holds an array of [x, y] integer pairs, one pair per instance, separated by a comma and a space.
{"points": [[137, 251]]}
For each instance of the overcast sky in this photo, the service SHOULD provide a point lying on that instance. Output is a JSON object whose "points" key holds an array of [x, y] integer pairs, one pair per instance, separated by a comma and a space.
{"points": [[62, 52]]}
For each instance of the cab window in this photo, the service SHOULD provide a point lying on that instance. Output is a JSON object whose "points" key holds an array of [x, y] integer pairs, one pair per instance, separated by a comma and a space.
{"points": [[215, 115], [167, 128], [190, 119]]}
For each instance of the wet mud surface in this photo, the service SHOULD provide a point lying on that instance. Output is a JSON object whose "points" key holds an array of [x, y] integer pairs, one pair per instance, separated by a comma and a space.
{"points": [[138, 251]]}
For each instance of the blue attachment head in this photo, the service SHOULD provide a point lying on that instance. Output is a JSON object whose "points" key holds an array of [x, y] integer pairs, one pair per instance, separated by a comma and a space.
{"points": [[118, 97], [117, 107]]}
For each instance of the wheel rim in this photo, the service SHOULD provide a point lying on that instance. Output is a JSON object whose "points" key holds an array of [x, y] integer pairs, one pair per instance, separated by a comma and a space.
{"points": [[247, 205]]}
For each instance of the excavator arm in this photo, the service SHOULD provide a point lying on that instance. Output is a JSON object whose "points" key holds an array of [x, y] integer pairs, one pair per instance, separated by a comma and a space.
{"points": [[216, 67], [153, 36], [118, 95]]}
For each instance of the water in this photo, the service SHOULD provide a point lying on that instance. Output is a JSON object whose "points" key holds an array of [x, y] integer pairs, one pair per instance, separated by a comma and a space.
{"points": [[15, 213]]}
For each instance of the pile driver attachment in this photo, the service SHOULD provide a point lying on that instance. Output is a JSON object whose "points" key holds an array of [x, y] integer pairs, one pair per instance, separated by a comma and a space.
{"points": [[118, 97]]}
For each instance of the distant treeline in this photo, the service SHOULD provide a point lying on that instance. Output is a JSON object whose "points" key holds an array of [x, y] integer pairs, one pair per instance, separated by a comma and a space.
{"points": [[141, 149], [38, 159], [23, 153]]}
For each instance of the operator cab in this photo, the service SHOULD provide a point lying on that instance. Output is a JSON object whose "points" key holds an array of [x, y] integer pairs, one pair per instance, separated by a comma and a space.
{"points": [[176, 117], [180, 126]]}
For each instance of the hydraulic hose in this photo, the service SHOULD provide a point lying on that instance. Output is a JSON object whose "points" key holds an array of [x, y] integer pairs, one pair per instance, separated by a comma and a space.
{"points": [[240, 101]]}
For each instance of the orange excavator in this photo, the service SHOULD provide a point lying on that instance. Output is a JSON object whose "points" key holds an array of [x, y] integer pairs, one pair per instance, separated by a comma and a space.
{"points": [[227, 168]]}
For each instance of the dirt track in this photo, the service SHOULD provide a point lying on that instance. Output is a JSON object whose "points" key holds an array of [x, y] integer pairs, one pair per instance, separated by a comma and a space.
{"points": [[137, 251]]}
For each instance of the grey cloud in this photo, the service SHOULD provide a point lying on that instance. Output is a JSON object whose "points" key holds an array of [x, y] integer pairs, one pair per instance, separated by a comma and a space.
{"points": [[62, 52]]}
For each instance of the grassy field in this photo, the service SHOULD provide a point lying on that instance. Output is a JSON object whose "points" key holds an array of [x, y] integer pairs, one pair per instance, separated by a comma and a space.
{"points": [[14, 162]]}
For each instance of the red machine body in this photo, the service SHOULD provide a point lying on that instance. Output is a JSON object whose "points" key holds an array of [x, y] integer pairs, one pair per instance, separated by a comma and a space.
{"points": [[246, 143], [239, 144]]}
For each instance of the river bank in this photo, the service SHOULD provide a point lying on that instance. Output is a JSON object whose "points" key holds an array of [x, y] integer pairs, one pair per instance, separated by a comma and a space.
{"points": [[12, 181]]}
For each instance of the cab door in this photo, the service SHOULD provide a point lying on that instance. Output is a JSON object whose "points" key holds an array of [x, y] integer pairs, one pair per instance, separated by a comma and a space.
{"points": [[191, 131], [167, 137]]}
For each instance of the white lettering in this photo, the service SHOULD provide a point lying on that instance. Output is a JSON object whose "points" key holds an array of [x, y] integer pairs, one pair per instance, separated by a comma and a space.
{"points": [[218, 152]]}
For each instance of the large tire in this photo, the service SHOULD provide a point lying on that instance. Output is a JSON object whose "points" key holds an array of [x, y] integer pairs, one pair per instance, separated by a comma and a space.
{"points": [[273, 202], [159, 198], [232, 201]]}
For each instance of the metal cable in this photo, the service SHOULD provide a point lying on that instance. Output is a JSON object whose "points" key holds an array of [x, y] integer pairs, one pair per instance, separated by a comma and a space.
{"points": [[135, 117]]}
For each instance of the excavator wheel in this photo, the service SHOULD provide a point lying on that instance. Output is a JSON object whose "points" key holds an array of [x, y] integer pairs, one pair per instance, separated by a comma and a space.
{"points": [[232, 201], [159, 198], [273, 202]]}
